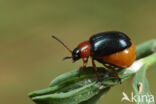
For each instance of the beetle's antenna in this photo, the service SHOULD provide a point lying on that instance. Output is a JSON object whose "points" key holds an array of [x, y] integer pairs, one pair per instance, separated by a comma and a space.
{"points": [[61, 42], [68, 57]]}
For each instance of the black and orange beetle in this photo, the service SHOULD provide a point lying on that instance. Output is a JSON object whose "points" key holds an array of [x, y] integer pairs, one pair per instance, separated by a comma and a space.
{"points": [[113, 49]]}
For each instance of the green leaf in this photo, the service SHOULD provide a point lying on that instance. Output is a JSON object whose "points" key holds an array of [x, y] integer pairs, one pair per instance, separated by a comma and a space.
{"points": [[69, 88], [141, 88], [95, 99], [72, 97]]}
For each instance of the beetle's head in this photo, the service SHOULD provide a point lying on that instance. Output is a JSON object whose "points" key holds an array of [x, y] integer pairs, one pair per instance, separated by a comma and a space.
{"points": [[76, 54]]}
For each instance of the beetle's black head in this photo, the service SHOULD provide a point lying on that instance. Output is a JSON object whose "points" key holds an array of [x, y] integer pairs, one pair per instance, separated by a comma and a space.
{"points": [[76, 54]]}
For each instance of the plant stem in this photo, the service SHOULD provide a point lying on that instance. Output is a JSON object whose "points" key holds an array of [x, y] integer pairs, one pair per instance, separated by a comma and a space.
{"points": [[145, 49], [150, 60]]}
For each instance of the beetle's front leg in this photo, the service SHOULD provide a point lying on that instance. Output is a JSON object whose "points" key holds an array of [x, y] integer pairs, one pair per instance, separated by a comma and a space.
{"points": [[85, 61]]}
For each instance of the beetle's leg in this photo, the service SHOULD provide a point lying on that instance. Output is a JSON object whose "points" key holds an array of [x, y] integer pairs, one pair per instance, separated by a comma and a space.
{"points": [[113, 69], [85, 61], [94, 66]]}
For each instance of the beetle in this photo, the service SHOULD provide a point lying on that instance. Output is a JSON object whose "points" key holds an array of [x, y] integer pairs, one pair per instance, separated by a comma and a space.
{"points": [[113, 49]]}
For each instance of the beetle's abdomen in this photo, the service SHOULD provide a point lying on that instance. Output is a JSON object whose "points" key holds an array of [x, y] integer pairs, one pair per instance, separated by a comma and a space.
{"points": [[106, 43], [121, 59]]}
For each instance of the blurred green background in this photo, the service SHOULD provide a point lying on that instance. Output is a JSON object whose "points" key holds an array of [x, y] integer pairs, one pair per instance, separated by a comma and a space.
{"points": [[30, 58]]}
